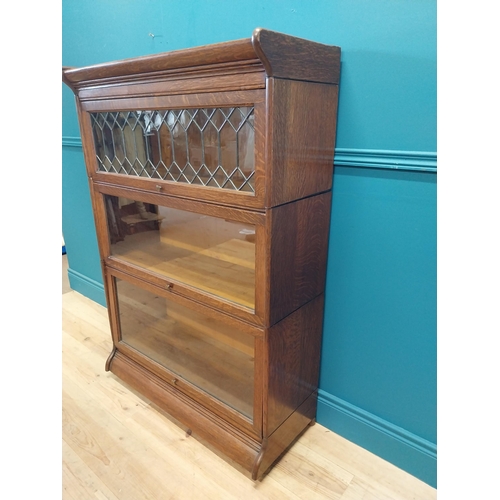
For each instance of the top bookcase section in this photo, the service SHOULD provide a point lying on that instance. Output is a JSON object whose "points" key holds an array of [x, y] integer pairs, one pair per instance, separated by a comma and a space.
{"points": [[249, 123]]}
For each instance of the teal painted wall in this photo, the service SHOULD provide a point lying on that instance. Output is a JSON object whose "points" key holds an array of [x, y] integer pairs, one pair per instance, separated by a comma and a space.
{"points": [[378, 367], [78, 227]]}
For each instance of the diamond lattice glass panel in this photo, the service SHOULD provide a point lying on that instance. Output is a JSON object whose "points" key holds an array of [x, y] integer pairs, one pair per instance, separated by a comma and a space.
{"points": [[213, 356], [201, 146]]}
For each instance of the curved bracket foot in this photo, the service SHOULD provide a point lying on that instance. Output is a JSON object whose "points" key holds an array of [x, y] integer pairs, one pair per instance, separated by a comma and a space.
{"points": [[110, 358], [258, 460]]}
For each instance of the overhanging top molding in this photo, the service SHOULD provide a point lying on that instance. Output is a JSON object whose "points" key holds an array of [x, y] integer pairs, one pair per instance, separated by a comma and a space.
{"points": [[279, 55]]}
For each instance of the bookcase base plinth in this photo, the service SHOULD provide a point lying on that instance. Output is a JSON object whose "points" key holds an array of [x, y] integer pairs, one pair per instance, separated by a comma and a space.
{"points": [[254, 456]]}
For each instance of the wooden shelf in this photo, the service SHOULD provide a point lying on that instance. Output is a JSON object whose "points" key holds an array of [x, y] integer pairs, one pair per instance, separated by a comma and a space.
{"points": [[207, 353], [206, 253], [212, 270]]}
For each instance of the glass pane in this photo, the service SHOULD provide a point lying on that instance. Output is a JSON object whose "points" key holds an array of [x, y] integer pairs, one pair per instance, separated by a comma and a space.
{"points": [[207, 353], [203, 146], [208, 253]]}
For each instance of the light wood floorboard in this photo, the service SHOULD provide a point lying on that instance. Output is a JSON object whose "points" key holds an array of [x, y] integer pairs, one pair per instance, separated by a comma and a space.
{"points": [[119, 446]]}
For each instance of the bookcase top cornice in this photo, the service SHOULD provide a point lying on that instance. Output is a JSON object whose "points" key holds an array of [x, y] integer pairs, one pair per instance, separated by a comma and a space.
{"points": [[279, 55]]}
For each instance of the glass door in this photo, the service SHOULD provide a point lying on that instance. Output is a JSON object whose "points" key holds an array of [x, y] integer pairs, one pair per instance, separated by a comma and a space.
{"points": [[211, 255], [211, 147], [192, 348], [204, 146]]}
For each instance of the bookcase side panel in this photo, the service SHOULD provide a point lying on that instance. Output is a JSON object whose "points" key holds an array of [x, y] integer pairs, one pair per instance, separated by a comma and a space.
{"points": [[298, 251], [294, 346], [302, 122]]}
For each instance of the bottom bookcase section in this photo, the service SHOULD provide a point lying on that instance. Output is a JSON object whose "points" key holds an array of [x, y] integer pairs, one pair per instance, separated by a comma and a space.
{"points": [[210, 354], [255, 456]]}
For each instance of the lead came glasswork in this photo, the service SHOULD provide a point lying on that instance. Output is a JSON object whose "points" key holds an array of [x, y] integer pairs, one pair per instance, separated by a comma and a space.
{"points": [[201, 146]]}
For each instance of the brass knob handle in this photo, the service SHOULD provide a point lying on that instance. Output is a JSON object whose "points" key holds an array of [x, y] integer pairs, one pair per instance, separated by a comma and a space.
{"points": [[174, 381], [170, 286], [159, 187]]}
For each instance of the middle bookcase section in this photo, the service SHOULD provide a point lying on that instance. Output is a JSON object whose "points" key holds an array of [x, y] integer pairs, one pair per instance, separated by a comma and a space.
{"points": [[211, 254]]}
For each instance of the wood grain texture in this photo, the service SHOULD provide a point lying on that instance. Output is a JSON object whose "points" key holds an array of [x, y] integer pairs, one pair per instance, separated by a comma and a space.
{"points": [[246, 80], [235, 444], [294, 346], [87, 139], [281, 55], [119, 445], [226, 52], [240, 367], [133, 264], [213, 195], [204, 352], [152, 362], [205, 253], [301, 139], [179, 287], [207, 273], [211, 209], [298, 246], [194, 192], [183, 301], [217, 411], [282, 438], [202, 100], [284, 56]]}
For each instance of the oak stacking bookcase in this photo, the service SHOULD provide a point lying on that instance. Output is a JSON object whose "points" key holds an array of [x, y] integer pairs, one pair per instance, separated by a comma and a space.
{"points": [[210, 174]]}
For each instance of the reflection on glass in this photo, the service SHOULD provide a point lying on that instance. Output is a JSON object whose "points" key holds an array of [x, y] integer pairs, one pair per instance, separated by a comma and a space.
{"points": [[207, 353], [208, 253], [204, 146]]}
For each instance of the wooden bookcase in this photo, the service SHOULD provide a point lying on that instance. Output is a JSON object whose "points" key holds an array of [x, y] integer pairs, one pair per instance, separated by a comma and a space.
{"points": [[210, 172]]}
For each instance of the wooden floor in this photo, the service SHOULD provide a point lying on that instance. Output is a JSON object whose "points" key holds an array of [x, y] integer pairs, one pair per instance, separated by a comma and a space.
{"points": [[119, 446]]}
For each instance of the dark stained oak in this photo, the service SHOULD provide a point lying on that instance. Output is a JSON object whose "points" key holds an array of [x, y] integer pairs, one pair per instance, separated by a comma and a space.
{"points": [[293, 383], [175, 101], [298, 245], [294, 346], [213, 231], [164, 372], [285, 56], [205, 84], [188, 60], [301, 125], [281, 55], [277, 443], [235, 444], [186, 101]]}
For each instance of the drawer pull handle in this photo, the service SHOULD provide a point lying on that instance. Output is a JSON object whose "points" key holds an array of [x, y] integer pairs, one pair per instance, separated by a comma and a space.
{"points": [[174, 381], [170, 286], [158, 187]]}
